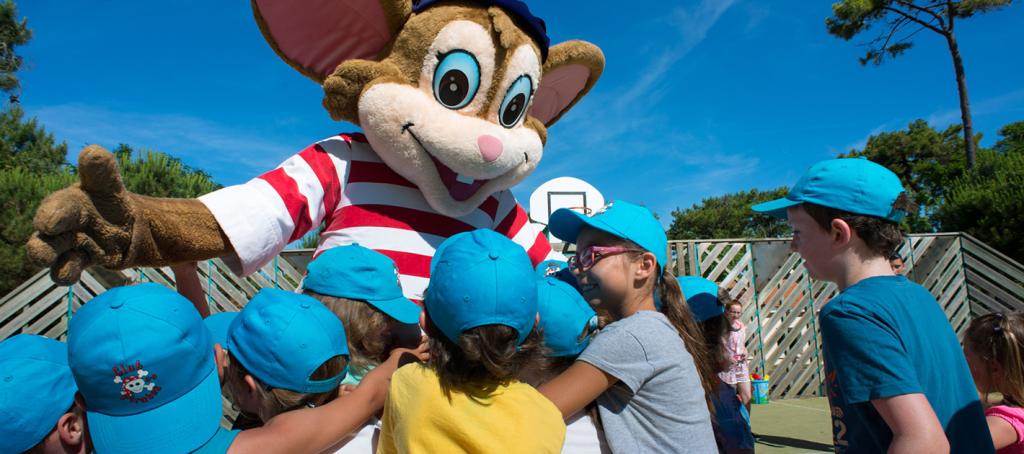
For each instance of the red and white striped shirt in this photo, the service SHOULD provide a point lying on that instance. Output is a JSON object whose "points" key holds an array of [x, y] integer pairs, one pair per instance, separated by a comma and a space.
{"points": [[342, 183]]}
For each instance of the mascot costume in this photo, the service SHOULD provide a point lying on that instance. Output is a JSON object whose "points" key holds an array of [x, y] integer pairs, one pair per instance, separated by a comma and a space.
{"points": [[453, 97]]}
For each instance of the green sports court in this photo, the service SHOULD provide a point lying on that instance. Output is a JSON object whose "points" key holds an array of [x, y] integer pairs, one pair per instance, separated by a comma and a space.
{"points": [[792, 426]]}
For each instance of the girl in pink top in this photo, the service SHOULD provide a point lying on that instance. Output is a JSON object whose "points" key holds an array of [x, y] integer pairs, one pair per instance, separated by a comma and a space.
{"points": [[736, 374], [994, 347]]}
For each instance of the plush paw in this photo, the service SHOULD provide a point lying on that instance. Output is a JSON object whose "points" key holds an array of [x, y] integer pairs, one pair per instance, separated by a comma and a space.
{"points": [[91, 222]]}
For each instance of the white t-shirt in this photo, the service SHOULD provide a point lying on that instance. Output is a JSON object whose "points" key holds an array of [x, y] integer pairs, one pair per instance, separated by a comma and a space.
{"points": [[365, 441], [583, 437]]}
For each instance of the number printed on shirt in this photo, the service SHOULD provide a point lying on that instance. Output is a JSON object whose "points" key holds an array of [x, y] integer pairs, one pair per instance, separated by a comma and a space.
{"points": [[839, 432]]}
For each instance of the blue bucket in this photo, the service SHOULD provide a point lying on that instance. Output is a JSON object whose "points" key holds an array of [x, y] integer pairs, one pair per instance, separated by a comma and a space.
{"points": [[760, 391]]}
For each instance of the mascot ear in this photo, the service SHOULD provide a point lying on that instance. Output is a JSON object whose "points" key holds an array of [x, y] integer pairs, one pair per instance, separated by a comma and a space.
{"points": [[572, 68], [315, 36]]}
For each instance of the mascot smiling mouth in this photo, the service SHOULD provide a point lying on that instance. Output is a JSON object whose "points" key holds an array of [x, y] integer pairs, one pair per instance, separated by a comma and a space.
{"points": [[460, 187]]}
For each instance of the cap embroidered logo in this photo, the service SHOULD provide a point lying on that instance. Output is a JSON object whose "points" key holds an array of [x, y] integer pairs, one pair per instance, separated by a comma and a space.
{"points": [[137, 384], [603, 209]]}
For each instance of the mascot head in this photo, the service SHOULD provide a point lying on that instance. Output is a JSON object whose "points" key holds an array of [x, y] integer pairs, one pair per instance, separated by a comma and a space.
{"points": [[454, 95]]}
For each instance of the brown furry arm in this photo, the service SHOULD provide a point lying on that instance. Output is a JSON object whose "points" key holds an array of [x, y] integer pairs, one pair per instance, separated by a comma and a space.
{"points": [[98, 222]]}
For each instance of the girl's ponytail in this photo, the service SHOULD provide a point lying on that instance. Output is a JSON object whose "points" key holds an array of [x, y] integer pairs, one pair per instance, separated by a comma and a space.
{"points": [[674, 306], [999, 337]]}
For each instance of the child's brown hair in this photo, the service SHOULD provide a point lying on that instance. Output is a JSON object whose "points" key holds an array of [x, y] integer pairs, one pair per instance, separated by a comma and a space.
{"points": [[274, 401], [882, 237], [483, 359], [366, 330], [999, 338]]}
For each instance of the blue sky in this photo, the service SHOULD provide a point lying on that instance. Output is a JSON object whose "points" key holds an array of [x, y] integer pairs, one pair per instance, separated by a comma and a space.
{"points": [[698, 98]]}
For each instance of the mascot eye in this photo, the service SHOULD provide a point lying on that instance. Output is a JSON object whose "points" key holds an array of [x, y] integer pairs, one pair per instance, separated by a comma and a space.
{"points": [[514, 105], [456, 79]]}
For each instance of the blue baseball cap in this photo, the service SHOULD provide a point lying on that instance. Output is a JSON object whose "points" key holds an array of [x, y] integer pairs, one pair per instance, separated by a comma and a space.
{"points": [[143, 362], [855, 185], [283, 337], [702, 296], [532, 25], [218, 325], [620, 218], [481, 278], [558, 269], [358, 273], [36, 389], [550, 267], [563, 317]]}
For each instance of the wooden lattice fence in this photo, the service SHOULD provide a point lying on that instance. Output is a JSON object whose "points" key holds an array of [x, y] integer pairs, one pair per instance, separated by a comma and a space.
{"points": [[780, 300]]}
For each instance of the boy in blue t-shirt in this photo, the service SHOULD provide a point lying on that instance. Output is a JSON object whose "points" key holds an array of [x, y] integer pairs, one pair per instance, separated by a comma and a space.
{"points": [[896, 375]]}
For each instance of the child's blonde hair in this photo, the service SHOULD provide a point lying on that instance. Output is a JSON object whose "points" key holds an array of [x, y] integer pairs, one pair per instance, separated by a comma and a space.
{"points": [[999, 338], [274, 401], [366, 330]]}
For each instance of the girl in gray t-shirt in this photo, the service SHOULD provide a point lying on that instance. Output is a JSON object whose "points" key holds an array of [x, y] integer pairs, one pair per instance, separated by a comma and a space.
{"points": [[648, 369]]}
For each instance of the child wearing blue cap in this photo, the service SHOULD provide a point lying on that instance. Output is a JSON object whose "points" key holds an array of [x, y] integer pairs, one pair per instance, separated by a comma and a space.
{"points": [[361, 287], [732, 419], [648, 368], [143, 361], [567, 323], [283, 351], [896, 377], [38, 412], [480, 310]]}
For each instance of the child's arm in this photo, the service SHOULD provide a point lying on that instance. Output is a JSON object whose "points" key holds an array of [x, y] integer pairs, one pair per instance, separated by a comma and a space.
{"points": [[915, 428], [578, 386], [1003, 433], [316, 429], [186, 279]]}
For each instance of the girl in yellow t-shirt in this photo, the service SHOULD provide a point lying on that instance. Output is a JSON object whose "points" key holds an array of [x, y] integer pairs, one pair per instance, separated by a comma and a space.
{"points": [[480, 310]]}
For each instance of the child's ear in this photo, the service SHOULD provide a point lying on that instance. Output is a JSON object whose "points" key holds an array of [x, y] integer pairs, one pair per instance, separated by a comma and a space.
{"points": [[220, 356], [250, 383], [841, 232], [315, 36], [71, 428], [571, 70], [648, 266]]}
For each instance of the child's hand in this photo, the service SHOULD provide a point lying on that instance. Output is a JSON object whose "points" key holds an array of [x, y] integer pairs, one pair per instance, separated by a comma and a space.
{"points": [[379, 379]]}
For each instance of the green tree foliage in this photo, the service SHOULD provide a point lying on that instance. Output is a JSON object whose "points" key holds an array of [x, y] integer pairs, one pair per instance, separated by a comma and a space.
{"points": [[32, 165], [157, 174], [312, 238], [728, 216], [898, 21], [988, 203], [926, 160], [13, 33], [1013, 139], [26, 145], [20, 193]]}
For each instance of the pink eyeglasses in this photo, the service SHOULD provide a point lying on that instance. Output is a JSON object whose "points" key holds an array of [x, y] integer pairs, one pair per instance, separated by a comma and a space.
{"points": [[587, 257]]}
